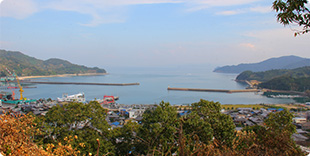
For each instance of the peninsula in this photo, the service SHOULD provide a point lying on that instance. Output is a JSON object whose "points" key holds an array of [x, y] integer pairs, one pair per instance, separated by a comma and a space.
{"points": [[30, 67]]}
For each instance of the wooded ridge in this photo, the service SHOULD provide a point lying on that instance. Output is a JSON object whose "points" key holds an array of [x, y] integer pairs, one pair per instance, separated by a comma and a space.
{"points": [[24, 65]]}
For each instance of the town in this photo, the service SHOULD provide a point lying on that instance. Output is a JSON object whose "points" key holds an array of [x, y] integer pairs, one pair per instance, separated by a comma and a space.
{"points": [[119, 114]]}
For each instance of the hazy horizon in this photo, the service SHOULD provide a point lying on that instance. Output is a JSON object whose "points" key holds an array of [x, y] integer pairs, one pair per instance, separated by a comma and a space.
{"points": [[148, 33]]}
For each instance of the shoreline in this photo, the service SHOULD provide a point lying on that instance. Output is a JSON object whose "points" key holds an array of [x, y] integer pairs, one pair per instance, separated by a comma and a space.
{"points": [[62, 75]]}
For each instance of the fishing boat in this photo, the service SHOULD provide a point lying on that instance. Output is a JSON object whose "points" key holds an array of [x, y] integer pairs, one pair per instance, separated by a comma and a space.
{"points": [[80, 97], [108, 100]]}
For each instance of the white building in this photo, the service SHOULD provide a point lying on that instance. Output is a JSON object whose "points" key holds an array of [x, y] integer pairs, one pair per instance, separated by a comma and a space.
{"points": [[299, 120]]}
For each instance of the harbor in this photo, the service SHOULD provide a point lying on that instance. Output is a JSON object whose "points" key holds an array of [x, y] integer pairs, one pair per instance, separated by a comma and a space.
{"points": [[148, 88], [214, 90]]}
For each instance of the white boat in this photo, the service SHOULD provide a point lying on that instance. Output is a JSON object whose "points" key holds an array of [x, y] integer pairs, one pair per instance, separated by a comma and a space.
{"points": [[72, 98]]}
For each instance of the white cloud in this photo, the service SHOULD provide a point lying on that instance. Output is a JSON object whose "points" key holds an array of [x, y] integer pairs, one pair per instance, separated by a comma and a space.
{"points": [[280, 42], [259, 9], [196, 5], [231, 12], [222, 2], [247, 45], [17, 8], [108, 11]]}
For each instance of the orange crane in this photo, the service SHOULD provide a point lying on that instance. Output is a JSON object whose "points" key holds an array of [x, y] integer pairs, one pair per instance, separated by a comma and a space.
{"points": [[19, 86]]}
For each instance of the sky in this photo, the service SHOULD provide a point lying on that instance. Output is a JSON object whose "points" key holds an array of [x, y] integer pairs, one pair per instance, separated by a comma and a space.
{"points": [[148, 33]]}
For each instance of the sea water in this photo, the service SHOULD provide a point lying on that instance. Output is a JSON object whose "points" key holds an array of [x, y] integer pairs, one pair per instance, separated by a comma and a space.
{"points": [[153, 87]]}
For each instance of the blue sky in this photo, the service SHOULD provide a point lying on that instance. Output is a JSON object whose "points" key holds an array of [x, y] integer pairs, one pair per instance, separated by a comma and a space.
{"points": [[148, 33]]}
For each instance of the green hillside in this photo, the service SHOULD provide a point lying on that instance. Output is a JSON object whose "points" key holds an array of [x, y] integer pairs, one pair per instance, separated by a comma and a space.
{"points": [[271, 74], [282, 79], [287, 83], [24, 65]]}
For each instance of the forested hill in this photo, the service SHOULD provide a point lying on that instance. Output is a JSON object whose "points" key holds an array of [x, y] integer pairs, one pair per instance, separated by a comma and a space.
{"points": [[24, 65], [271, 74], [282, 79], [284, 62]]}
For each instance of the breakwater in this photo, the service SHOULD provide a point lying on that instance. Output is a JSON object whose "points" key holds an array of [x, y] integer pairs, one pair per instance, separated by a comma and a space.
{"points": [[214, 90], [83, 83]]}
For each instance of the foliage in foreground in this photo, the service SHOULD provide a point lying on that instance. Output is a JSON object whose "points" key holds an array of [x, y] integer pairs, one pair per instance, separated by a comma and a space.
{"points": [[16, 133], [86, 121], [203, 131], [293, 12]]}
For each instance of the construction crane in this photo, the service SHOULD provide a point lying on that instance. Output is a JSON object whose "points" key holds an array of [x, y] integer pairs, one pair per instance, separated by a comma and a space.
{"points": [[11, 88], [20, 88], [18, 83]]}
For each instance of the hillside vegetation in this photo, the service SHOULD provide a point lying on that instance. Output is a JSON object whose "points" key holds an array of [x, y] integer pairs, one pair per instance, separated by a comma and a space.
{"points": [[271, 74], [287, 83], [284, 62], [204, 131], [24, 65], [283, 79]]}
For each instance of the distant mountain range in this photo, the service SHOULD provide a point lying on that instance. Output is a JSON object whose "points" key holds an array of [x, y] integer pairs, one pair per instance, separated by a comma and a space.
{"points": [[24, 65], [284, 62]]}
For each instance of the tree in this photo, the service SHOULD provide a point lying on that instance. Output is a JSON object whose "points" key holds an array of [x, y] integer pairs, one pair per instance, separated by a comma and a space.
{"points": [[293, 12], [124, 139], [274, 138], [16, 138], [194, 134], [222, 125], [158, 131], [86, 121]]}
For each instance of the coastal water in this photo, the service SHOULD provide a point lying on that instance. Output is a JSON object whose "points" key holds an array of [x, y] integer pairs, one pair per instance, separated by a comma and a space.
{"points": [[153, 87]]}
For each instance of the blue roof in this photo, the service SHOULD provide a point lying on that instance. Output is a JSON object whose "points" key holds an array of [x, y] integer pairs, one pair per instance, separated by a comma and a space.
{"points": [[115, 123], [271, 109]]}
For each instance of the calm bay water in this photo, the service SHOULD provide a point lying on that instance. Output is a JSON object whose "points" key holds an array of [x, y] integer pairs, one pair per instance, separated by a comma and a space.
{"points": [[153, 87]]}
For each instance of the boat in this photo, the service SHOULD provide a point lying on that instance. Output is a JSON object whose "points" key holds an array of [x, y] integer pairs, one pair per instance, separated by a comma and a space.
{"points": [[107, 100], [6, 96], [80, 97]]}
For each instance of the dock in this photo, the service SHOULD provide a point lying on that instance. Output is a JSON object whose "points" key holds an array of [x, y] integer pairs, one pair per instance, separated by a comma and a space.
{"points": [[214, 90], [83, 83]]}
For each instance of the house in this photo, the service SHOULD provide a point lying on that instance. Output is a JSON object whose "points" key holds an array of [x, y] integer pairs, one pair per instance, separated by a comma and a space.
{"points": [[299, 120], [249, 123], [113, 117], [135, 113], [305, 126], [256, 120]]}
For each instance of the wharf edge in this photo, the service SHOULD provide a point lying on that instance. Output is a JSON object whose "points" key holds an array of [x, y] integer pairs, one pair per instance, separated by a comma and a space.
{"points": [[214, 90]]}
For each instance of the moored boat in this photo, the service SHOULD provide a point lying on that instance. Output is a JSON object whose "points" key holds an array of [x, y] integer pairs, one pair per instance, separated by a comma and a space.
{"points": [[108, 100], [80, 97]]}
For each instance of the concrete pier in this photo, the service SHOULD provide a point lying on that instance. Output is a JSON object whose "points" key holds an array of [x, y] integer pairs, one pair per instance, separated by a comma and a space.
{"points": [[214, 90], [83, 83]]}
